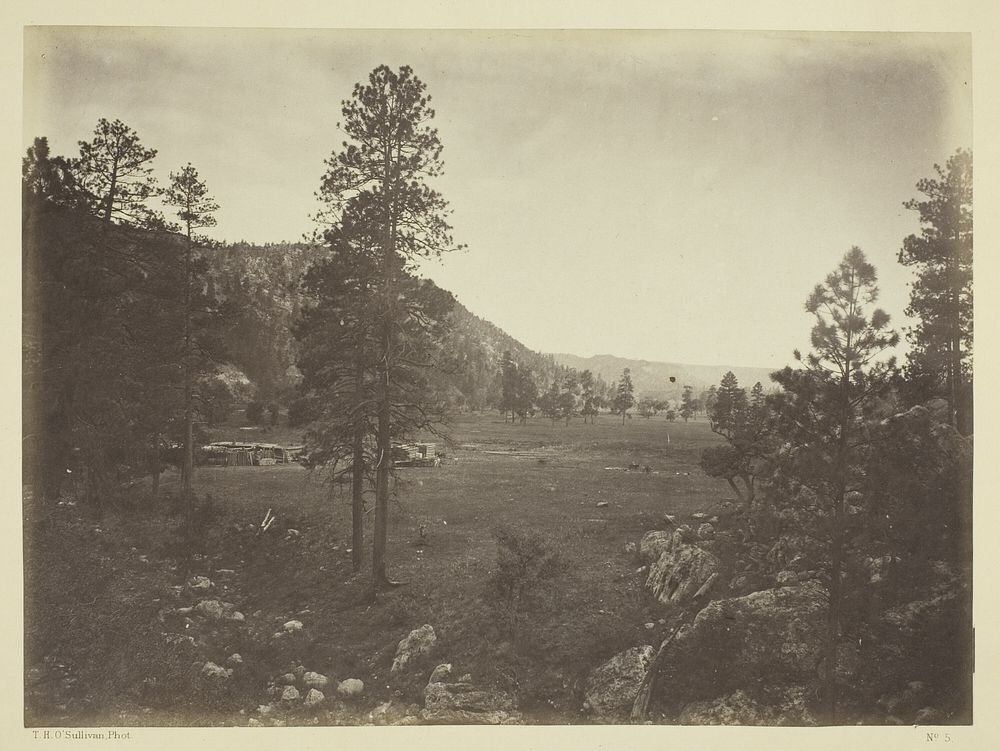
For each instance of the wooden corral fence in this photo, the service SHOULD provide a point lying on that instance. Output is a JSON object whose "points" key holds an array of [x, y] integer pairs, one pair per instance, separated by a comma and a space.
{"points": [[234, 454]]}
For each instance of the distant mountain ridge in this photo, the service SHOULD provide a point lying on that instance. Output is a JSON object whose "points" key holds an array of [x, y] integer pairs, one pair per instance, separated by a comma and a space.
{"points": [[652, 378]]}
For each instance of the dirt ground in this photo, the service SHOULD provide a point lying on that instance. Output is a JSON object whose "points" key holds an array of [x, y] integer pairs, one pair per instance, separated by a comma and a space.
{"points": [[104, 644]]}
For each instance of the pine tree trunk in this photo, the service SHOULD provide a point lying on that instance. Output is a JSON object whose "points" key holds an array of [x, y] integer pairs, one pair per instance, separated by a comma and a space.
{"points": [[187, 470], [833, 614], [357, 489], [384, 440]]}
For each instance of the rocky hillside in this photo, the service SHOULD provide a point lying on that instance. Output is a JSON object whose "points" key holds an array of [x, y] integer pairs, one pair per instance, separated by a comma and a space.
{"points": [[258, 286]]}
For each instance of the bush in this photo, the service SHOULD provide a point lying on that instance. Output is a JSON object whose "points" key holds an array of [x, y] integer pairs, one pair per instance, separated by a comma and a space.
{"points": [[524, 561]]}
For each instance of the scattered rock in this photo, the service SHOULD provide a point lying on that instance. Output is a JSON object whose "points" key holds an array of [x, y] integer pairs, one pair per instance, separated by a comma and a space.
{"points": [[649, 626], [315, 680], [253, 722], [211, 609], [351, 687], [298, 671], [630, 548], [601, 504], [289, 694], [287, 679], [292, 626], [706, 531], [467, 678], [215, 672], [313, 698], [611, 688], [236, 615], [225, 572], [418, 642], [699, 515], [235, 659], [670, 519], [200, 583]]}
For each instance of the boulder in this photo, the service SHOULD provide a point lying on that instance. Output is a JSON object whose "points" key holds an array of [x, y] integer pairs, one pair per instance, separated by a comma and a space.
{"points": [[681, 572], [211, 609], [464, 697], [214, 672], [654, 544], [315, 680], [630, 548], [747, 641], [313, 698], [706, 531], [287, 679], [289, 694], [417, 643], [611, 688], [440, 673], [201, 583], [351, 687], [292, 626], [235, 659]]}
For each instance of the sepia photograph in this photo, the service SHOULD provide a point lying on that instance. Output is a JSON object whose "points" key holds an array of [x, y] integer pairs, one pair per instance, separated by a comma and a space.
{"points": [[381, 377]]}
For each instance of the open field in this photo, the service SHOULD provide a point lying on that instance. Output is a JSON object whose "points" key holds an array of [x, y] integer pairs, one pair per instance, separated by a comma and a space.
{"points": [[543, 478]]}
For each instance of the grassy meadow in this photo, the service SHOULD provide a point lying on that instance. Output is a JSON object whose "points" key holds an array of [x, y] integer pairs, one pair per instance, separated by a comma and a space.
{"points": [[540, 479]]}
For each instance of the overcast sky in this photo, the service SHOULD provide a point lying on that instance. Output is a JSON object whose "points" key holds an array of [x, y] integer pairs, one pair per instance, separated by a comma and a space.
{"points": [[663, 195]]}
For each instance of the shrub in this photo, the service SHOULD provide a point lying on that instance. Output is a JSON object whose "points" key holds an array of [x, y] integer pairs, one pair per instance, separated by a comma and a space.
{"points": [[524, 561]]}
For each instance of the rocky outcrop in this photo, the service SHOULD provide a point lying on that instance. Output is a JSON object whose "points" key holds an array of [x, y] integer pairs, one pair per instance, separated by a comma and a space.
{"points": [[773, 637], [417, 643], [611, 688], [786, 707], [680, 573], [679, 567], [460, 702]]}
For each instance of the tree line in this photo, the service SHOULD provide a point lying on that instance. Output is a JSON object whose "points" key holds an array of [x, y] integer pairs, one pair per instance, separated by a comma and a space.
{"points": [[119, 334]]}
